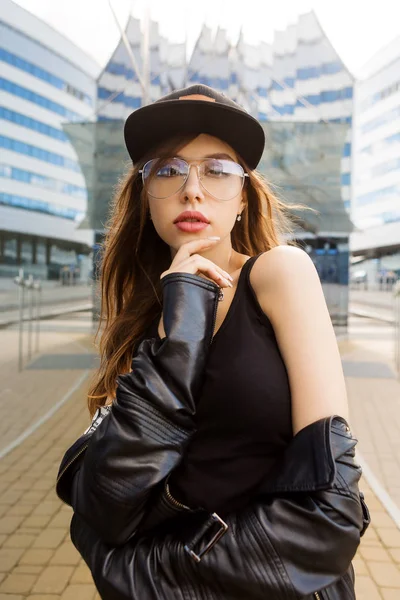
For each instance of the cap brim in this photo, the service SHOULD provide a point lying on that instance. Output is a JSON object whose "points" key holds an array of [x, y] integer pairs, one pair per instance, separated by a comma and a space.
{"points": [[149, 126]]}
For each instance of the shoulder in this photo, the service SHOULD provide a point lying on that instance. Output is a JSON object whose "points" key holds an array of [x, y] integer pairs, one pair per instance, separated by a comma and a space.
{"points": [[286, 284], [283, 268]]}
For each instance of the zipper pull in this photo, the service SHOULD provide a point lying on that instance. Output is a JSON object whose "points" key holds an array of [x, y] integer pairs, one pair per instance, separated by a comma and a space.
{"points": [[220, 295]]}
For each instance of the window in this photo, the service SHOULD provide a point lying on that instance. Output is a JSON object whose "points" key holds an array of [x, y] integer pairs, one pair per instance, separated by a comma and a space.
{"points": [[130, 101], [39, 206], [24, 121], [370, 197], [346, 178], [41, 181], [347, 149], [21, 92], [24, 65], [38, 153], [382, 119]]}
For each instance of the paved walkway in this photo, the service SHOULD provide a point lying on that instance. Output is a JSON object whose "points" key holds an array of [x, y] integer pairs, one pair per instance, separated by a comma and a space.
{"points": [[37, 559]]}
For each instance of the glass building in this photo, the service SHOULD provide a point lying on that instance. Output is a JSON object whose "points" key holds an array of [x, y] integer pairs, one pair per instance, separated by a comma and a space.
{"points": [[45, 80], [297, 87], [375, 206]]}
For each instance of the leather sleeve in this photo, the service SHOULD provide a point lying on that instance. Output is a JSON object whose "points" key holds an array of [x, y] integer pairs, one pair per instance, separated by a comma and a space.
{"points": [[299, 537], [152, 418]]}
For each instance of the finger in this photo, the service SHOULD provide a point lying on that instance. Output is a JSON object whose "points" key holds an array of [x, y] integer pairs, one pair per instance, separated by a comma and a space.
{"points": [[189, 248], [198, 260], [198, 263]]}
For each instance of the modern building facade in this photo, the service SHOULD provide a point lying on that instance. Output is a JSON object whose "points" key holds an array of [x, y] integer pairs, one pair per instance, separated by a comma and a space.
{"points": [[375, 206], [45, 80], [298, 87]]}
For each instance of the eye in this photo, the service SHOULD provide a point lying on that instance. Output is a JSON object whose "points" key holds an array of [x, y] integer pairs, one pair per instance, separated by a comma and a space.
{"points": [[214, 169], [168, 171]]}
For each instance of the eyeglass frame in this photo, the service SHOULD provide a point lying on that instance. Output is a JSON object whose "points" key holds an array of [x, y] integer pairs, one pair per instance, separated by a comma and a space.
{"points": [[191, 164]]}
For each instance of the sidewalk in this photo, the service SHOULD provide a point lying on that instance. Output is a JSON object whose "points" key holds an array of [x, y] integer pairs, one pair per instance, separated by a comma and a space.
{"points": [[37, 559]]}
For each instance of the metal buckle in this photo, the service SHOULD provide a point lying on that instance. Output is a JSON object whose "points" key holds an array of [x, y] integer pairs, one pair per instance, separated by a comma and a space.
{"points": [[223, 528]]}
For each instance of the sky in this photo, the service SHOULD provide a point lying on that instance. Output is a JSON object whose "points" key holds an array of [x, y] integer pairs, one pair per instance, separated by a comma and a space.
{"points": [[356, 29]]}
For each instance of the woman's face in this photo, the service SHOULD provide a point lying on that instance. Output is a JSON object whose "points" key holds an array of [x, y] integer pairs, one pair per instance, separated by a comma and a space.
{"points": [[220, 214]]}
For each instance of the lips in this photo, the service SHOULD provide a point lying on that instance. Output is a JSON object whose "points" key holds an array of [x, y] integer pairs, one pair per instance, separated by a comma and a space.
{"points": [[191, 216]]}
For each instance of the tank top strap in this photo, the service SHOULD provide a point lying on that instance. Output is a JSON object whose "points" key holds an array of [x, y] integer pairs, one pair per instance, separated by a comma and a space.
{"points": [[249, 289]]}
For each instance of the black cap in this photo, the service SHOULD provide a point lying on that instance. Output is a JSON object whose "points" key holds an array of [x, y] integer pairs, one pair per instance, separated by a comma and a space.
{"points": [[195, 109]]}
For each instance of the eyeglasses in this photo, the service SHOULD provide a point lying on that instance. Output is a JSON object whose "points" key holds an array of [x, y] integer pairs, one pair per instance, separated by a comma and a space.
{"points": [[223, 179]]}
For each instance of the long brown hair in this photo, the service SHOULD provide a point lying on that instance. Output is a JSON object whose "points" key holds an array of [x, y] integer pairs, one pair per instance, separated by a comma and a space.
{"points": [[133, 256]]}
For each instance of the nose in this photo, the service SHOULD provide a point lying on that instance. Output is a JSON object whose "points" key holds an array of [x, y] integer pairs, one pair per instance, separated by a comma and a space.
{"points": [[192, 190]]}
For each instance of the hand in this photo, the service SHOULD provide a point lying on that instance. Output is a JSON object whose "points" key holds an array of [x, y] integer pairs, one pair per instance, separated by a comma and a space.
{"points": [[187, 260]]}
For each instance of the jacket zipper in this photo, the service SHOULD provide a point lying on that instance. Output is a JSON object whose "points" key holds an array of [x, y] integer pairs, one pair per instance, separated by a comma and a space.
{"points": [[317, 596], [218, 298], [73, 459]]}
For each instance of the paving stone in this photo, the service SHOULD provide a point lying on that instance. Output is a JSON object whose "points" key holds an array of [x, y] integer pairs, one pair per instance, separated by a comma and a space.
{"points": [[36, 556], [382, 519], [61, 519], [9, 558], [395, 554], [66, 554], [366, 589], [390, 536], [19, 541], [2, 576], [83, 592], [10, 524], [17, 583], [19, 510], [385, 574], [36, 521], [390, 593], [82, 575], [360, 566], [29, 569], [370, 538], [32, 497], [45, 597], [47, 508], [3, 538], [11, 597], [11, 497], [375, 553], [53, 580], [49, 538]]}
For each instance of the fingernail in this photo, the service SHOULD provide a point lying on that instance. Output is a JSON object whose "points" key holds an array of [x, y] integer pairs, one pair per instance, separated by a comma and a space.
{"points": [[229, 276], [213, 237]]}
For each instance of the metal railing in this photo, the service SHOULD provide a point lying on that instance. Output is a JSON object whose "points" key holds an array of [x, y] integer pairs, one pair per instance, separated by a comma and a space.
{"points": [[396, 293], [32, 298]]}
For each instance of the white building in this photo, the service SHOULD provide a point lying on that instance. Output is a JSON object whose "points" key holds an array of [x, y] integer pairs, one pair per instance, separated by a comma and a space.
{"points": [[375, 207], [45, 80]]}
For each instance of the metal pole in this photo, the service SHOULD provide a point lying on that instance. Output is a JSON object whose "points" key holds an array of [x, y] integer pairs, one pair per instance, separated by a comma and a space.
{"points": [[38, 300], [19, 280], [30, 314]]}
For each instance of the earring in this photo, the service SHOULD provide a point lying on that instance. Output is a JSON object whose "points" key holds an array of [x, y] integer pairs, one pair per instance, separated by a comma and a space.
{"points": [[239, 218]]}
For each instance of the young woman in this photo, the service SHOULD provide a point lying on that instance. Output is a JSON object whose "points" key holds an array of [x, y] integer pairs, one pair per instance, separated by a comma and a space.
{"points": [[219, 463]]}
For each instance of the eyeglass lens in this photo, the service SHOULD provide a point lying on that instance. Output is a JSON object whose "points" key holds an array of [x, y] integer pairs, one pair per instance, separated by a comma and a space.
{"points": [[221, 178]]}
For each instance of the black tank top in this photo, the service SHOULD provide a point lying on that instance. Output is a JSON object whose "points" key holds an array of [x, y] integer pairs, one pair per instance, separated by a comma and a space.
{"points": [[244, 411]]}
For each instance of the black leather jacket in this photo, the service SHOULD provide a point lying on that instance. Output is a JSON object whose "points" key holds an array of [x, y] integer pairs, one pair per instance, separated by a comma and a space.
{"points": [[296, 540]]}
